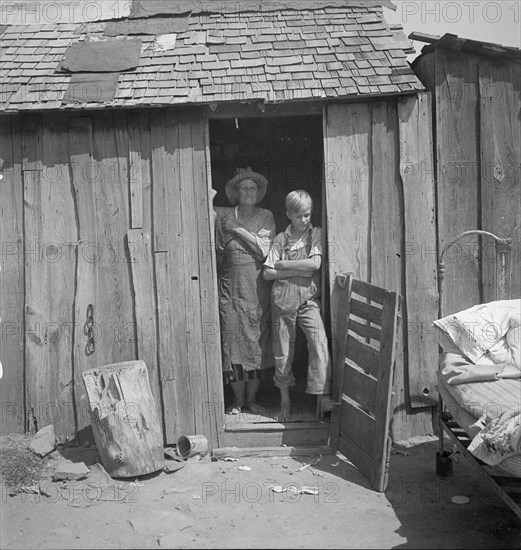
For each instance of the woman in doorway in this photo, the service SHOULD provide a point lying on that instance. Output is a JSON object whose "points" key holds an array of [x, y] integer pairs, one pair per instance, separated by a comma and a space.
{"points": [[244, 236]]}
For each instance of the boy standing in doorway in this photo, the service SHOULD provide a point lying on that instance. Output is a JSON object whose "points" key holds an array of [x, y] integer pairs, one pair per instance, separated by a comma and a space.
{"points": [[294, 263]]}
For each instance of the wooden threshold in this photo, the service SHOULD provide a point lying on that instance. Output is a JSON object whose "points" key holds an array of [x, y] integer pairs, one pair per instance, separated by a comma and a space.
{"points": [[231, 426], [275, 434], [238, 452]]}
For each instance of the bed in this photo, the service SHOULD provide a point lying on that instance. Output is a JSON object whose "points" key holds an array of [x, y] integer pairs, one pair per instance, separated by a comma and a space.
{"points": [[479, 388]]}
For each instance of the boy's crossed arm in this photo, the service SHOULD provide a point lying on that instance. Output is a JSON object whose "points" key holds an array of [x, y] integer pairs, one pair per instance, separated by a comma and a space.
{"points": [[284, 269]]}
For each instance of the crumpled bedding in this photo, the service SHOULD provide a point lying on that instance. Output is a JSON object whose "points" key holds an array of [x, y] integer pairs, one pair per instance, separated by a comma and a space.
{"points": [[481, 367], [499, 438]]}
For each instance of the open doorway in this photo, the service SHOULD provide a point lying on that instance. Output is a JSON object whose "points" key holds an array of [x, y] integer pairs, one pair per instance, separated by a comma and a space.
{"points": [[288, 151]]}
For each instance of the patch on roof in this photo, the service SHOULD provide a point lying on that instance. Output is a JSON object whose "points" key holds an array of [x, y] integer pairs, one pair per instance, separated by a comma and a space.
{"points": [[155, 26], [91, 88], [287, 55], [102, 56], [165, 42]]}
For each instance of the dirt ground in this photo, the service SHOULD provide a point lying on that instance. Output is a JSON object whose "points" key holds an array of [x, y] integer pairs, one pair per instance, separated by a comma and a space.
{"points": [[220, 504]]}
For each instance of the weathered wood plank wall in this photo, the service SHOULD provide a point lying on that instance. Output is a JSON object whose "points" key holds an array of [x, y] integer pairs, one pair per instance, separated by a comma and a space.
{"points": [[477, 131], [457, 151], [421, 296], [91, 240], [500, 135], [103, 275], [387, 243], [12, 285], [367, 230], [50, 254], [186, 281]]}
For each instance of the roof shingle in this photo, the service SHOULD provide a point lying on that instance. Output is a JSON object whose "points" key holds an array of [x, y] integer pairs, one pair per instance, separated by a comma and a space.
{"points": [[337, 51]]}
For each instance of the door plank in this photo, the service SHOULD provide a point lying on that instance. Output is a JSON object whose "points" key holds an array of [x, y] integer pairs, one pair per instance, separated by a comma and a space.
{"points": [[347, 130], [170, 297], [416, 168], [365, 356], [366, 311], [103, 274], [358, 426], [360, 387], [366, 395], [51, 236], [12, 285], [212, 409], [142, 268]]}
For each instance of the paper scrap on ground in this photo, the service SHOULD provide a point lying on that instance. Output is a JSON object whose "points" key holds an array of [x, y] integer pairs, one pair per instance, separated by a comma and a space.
{"points": [[294, 489], [459, 499]]}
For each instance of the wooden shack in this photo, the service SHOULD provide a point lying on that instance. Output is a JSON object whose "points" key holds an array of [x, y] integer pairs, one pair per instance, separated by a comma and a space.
{"points": [[107, 171], [476, 89]]}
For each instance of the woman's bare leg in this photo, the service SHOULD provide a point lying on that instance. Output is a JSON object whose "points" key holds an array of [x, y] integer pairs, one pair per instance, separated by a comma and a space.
{"points": [[239, 393], [252, 386]]}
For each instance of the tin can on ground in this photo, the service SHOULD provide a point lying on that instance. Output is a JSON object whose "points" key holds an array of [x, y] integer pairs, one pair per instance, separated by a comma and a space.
{"points": [[192, 445]]}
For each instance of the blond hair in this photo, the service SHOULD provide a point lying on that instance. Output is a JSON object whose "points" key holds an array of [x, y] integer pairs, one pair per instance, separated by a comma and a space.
{"points": [[298, 200]]}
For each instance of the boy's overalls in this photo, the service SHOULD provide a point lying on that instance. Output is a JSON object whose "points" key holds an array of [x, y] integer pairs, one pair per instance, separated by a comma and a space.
{"points": [[296, 300]]}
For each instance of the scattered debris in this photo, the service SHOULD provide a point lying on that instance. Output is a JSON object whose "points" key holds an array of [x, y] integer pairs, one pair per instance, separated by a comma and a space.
{"points": [[171, 453], [19, 466], [70, 471], [99, 475], [185, 507], [175, 490], [312, 463], [456, 454], [294, 489], [460, 499], [244, 468], [44, 441], [99, 487], [230, 459], [399, 452], [335, 464], [172, 466]]}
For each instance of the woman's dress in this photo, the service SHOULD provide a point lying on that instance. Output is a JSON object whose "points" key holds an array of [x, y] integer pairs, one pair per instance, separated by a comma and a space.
{"points": [[244, 295]]}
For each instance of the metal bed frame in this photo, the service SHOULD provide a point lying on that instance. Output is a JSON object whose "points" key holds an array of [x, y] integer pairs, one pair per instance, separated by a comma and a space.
{"points": [[507, 488]]}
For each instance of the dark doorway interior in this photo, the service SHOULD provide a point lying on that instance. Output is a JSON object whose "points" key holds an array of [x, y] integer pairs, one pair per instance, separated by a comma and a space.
{"points": [[288, 151]]}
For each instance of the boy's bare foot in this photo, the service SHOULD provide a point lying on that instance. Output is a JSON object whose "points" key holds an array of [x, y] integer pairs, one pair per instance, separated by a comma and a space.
{"points": [[285, 406], [285, 411]]}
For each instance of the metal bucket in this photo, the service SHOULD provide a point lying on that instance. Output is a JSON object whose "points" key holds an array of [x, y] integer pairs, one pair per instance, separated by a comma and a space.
{"points": [[192, 445]]}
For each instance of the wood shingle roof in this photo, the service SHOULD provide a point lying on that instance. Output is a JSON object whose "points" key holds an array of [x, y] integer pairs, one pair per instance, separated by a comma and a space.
{"points": [[274, 56]]}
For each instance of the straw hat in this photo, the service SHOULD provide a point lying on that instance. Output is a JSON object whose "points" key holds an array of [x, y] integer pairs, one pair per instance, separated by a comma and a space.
{"points": [[246, 174]]}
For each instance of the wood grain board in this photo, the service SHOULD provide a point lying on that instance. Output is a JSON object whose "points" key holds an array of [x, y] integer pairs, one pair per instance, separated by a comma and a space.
{"points": [[12, 286]]}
